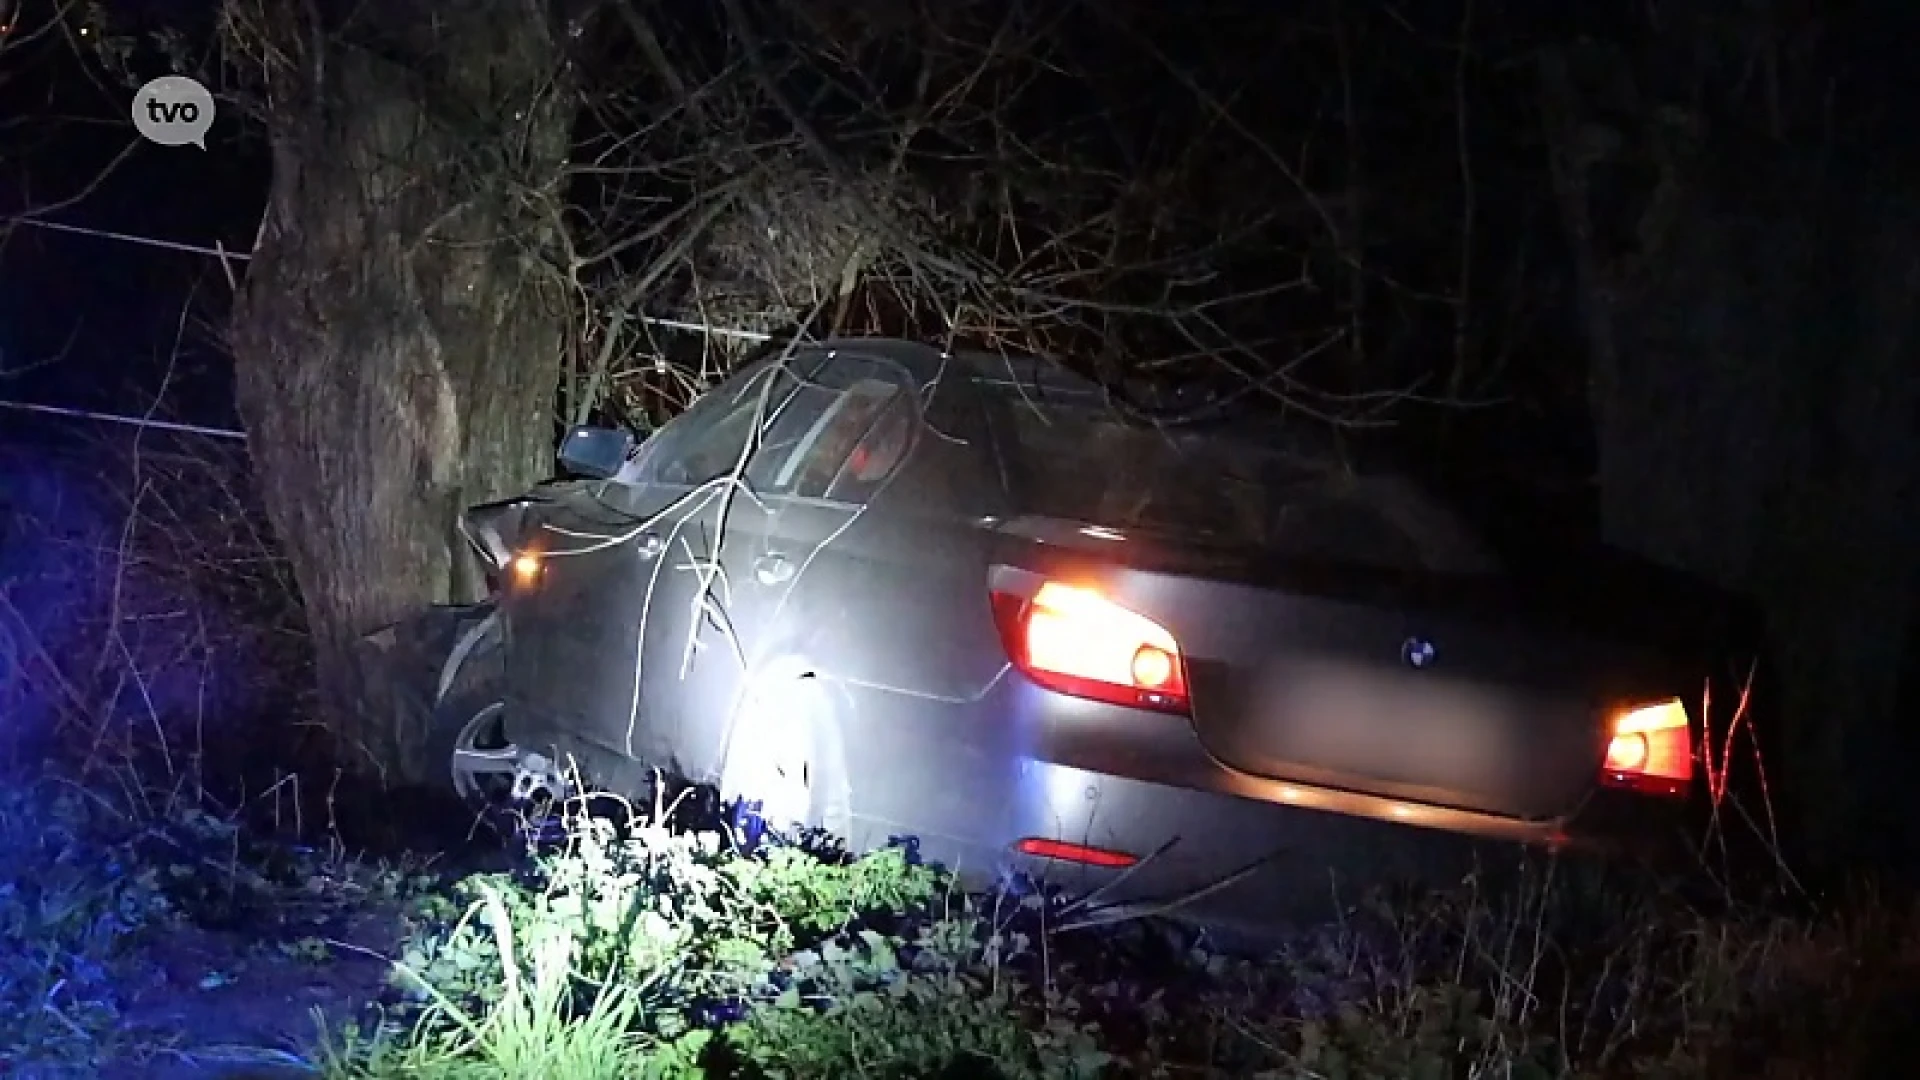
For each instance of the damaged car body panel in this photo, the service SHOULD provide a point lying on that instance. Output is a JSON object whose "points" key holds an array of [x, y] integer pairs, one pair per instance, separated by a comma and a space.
{"points": [[880, 589]]}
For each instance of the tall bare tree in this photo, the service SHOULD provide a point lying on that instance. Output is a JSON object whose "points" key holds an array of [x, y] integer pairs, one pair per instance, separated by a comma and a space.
{"points": [[398, 335], [1062, 180]]}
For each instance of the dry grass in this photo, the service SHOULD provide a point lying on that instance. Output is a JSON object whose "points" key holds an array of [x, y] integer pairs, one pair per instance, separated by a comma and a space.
{"points": [[144, 612]]}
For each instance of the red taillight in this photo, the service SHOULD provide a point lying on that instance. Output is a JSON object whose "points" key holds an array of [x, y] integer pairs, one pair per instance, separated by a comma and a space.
{"points": [[1077, 642], [1077, 853], [1651, 750]]}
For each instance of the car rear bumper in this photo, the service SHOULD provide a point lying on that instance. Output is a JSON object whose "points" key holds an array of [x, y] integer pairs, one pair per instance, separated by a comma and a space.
{"points": [[1213, 844], [1223, 860], [1250, 864]]}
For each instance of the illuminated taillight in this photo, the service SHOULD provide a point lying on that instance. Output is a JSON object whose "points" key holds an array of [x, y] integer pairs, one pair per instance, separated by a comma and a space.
{"points": [[526, 569], [1651, 750], [1077, 642]]}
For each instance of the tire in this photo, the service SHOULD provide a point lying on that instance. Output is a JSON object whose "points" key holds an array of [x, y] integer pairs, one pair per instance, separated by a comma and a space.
{"points": [[785, 752]]}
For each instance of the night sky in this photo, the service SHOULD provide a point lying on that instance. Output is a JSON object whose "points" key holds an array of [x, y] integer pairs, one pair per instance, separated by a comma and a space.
{"points": [[111, 312]]}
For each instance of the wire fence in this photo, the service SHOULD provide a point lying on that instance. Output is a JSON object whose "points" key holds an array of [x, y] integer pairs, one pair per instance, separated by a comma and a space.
{"points": [[141, 422], [144, 605], [228, 258]]}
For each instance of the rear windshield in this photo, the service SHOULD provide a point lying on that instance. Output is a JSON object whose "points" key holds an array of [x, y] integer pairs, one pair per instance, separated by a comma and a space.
{"points": [[1079, 461]]}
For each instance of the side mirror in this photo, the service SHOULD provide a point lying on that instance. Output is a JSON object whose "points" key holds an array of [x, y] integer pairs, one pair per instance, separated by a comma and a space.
{"points": [[595, 453]]}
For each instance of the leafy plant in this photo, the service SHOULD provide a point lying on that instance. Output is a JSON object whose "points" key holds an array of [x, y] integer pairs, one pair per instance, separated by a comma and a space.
{"points": [[660, 935], [670, 916], [77, 899], [853, 1009]]}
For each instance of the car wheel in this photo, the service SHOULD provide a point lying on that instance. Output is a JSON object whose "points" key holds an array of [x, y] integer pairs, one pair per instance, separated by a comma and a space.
{"points": [[470, 743], [784, 760]]}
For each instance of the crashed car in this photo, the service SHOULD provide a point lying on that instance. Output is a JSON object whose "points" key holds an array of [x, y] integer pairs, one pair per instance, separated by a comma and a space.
{"points": [[879, 589]]}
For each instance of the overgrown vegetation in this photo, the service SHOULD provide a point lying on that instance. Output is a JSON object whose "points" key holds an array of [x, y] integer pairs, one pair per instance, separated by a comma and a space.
{"points": [[645, 951], [112, 904], [664, 954]]}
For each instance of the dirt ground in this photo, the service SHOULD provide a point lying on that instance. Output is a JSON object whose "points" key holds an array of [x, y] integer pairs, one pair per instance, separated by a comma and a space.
{"points": [[226, 1009]]}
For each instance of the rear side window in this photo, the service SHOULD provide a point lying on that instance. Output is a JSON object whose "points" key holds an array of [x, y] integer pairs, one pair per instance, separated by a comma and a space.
{"points": [[706, 441], [842, 433], [828, 429], [880, 454]]}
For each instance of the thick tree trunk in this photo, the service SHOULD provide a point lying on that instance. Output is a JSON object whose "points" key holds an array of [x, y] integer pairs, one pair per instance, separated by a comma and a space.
{"points": [[398, 339]]}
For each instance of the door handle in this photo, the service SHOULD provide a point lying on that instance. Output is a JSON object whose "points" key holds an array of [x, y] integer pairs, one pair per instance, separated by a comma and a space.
{"points": [[772, 569], [650, 544]]}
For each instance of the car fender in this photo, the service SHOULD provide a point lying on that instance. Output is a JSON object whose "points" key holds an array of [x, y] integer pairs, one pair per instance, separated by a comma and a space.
{"points": [[483, 631], [775, 665], [785, 663]]}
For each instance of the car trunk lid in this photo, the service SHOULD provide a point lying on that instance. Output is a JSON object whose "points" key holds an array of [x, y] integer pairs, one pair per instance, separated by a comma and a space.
{"points": [[1430, 690]]}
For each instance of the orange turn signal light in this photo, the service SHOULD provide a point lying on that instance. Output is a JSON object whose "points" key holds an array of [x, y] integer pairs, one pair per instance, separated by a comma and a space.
{"points": [[526, 568]]}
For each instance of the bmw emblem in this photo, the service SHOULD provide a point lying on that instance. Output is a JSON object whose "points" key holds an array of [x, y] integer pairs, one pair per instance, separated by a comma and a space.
{"points": [[1418, 653]]}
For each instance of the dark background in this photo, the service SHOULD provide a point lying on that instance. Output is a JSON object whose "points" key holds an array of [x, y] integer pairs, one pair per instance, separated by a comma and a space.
{"points": [[102, 317]]}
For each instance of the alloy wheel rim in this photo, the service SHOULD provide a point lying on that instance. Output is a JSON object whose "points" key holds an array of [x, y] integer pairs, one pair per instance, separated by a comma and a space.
{"points": [[471, 764]]}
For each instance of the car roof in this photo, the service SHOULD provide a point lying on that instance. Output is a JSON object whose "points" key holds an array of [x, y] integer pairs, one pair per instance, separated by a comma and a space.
{"points": [[1315, 445], [1038, 377]]}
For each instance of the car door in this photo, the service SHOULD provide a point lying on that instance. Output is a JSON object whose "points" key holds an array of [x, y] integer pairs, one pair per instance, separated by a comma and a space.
{"points": [[575, 630], [855, 535], [682, 657]]}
